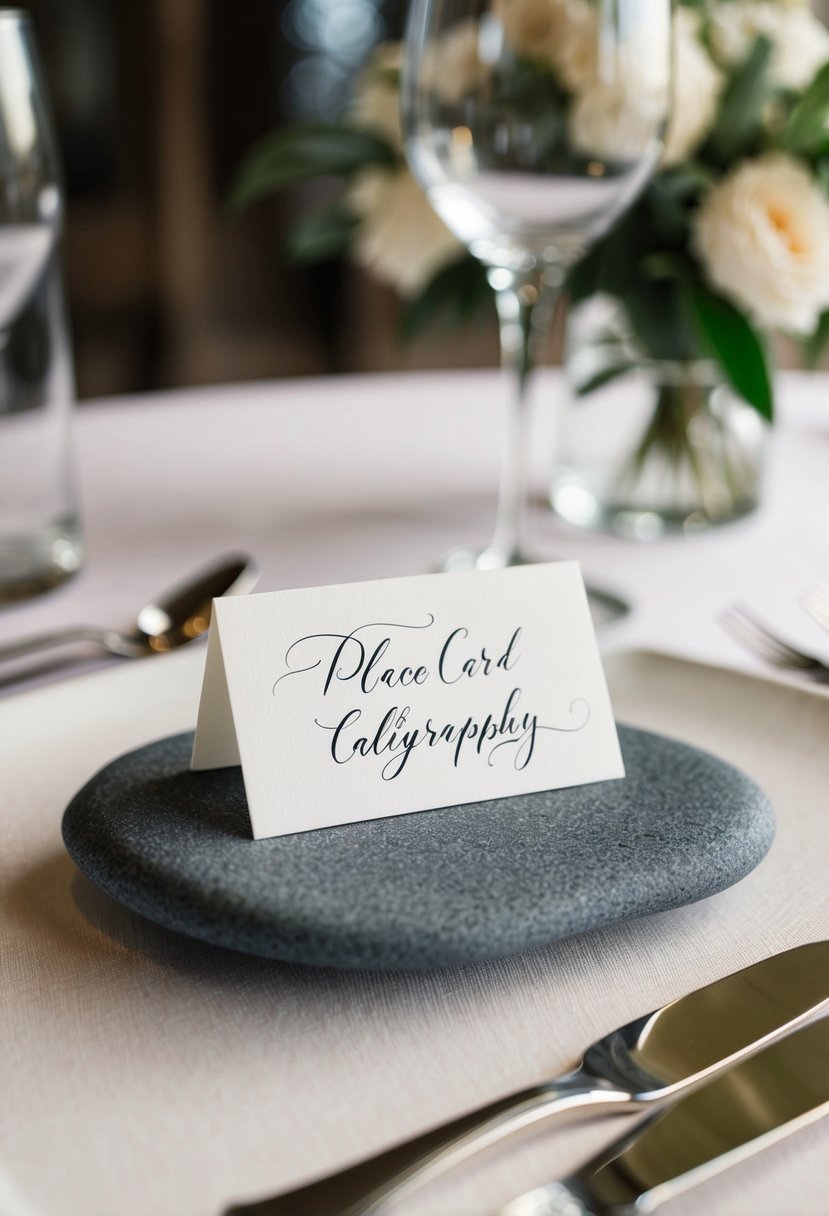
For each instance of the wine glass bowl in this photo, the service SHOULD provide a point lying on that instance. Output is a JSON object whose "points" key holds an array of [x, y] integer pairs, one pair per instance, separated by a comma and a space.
{"points": [[531, 125], [521, 167]]}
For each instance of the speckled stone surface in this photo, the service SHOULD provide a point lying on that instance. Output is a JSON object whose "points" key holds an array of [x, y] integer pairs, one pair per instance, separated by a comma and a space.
{"points": [[433, 889]]}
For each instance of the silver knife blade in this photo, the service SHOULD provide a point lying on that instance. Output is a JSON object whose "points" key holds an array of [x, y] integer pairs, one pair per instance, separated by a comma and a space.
{"points": [[647, 1061], [735, 1115]]}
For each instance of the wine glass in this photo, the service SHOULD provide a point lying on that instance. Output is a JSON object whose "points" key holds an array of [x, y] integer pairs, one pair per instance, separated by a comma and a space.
{"points": [[531, 125], [40, 532]]}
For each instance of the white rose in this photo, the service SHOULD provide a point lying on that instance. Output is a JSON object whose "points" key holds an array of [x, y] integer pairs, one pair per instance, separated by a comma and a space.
{"points": [[376, 101], [608, 124], [575, 52], [762, 234], [528, 25], [562, 33], [456, 69], [697, 87], [800, 43], [400, 238], [619, 112]]}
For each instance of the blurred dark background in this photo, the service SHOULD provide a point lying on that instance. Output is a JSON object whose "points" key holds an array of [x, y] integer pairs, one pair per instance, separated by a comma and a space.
{"points": [[156, 103]]}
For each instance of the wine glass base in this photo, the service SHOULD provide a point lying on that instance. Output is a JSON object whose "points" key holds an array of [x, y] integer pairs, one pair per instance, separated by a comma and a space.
{"points": [[490, 558], [605, 607]]}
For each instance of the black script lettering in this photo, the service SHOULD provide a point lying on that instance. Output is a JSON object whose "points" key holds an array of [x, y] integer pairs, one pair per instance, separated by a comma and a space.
{"points": [[379, 651], [480, 664], [390, 736], [527, 729], [351, 652], [353, 715], [390, 677], [464, 633], [404, 677], [508, 660]]}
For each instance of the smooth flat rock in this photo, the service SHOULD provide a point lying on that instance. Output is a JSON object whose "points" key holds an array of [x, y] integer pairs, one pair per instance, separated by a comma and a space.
{"points": [[438, 888]]}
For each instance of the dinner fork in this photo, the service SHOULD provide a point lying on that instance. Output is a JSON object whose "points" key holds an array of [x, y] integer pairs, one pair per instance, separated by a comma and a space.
{"points": [[816, 603], [742, 624]]}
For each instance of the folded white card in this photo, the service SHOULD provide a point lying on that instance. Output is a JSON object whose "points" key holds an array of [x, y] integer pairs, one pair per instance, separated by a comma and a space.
{"points": [[373, 699]]}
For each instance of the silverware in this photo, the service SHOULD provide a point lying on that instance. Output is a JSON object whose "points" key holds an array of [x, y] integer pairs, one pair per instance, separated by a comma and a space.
{"points": [[816, 603], [743, 625], [177, 616], [647, 1061], [734, 1116]]}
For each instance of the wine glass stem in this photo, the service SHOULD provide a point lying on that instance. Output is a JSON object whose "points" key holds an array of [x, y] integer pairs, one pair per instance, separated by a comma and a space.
{"points": [[525, 302]]}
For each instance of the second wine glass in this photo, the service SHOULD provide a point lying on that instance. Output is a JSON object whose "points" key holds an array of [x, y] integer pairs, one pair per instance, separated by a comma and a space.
{"points": [[531, 125]]}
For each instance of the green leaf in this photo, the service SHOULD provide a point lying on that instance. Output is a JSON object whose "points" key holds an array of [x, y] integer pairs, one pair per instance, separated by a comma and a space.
{"points": [[659, 320], [607, 374], [297, 154], [732, 341], [741, 109], [321, 235], [806, 129], [683, 182], [622, 266], [814, 346], [583, 280], [665, 266], [609, 266], [821, 168], [452, 298], [670, 197], [630, 240]]}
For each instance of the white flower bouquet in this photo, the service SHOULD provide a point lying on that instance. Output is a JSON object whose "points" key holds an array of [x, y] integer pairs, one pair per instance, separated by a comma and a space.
{"points": [[730, 239]]}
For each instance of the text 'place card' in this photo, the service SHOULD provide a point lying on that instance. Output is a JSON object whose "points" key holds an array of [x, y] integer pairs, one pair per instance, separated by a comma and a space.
{"points": [[372, 699]]}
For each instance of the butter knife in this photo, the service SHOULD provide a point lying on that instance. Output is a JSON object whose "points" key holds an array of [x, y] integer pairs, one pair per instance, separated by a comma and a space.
{"points": [[733, 1116], [650, 1060]]}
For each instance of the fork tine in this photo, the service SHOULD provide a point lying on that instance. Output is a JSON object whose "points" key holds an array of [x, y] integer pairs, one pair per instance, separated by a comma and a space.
{"points": [[748, 629], [816, 603], [775, 648], [774, 644]]}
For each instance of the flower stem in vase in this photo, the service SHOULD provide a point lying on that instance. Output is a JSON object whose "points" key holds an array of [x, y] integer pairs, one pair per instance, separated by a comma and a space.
{"points": [[696, 463]]}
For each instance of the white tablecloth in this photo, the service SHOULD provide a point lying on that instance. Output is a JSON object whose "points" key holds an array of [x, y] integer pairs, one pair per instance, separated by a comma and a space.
{"points": [[146, 1073], [339, 479]]}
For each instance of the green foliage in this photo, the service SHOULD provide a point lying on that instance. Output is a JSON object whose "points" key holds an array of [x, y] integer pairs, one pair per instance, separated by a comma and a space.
{"points": [[822, 173], [740, 121], [814, 346], [733, 342], [323, 234], [672, 195], [607, 374], [622, 265], [646, 261], [452, 298], [806, 133], [674, 314], [302, 153], [660, 322]]}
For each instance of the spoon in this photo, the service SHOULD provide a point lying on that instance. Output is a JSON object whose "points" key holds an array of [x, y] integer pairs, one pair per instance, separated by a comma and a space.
{"points": [[174, 618]]}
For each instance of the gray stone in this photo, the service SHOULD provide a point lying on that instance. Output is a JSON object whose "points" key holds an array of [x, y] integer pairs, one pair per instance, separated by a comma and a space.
{"points": [[438, 888]]}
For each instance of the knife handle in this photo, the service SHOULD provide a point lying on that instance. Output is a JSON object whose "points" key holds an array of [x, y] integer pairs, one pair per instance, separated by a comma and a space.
{"points": [[364, 1189]]}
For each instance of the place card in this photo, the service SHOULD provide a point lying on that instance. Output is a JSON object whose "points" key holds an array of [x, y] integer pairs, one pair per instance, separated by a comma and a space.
{"points": [[384, 698]]}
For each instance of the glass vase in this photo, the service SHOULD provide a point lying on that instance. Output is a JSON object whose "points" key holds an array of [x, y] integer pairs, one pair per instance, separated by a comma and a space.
{"points": [[647, 448]]}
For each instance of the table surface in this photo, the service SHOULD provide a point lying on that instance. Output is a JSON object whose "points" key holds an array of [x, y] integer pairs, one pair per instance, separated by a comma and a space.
{"points": [[327, 481], [347, 478]]}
